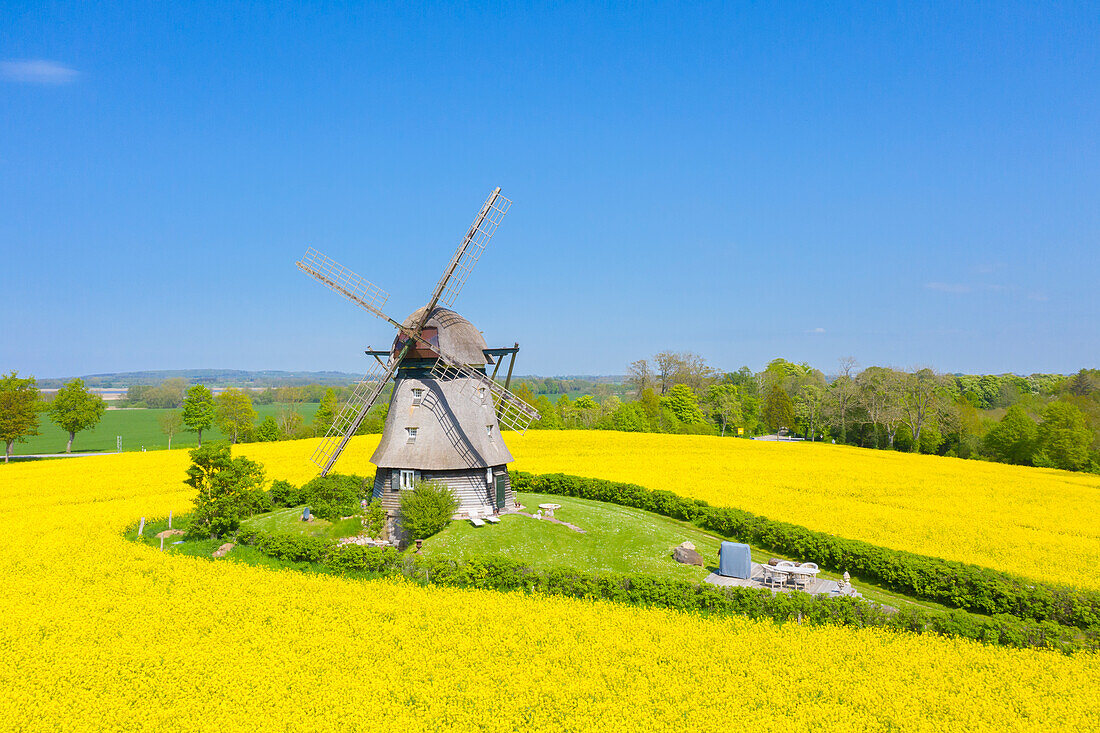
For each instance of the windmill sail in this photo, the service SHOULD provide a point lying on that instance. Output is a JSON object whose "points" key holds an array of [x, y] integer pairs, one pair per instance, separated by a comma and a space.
{"points": [[351, 417], [512, 412], [469, 251], [333, 275]]}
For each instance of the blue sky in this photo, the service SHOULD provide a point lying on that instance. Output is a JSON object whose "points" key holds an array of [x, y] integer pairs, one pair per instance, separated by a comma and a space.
{"points": [[913, 186]]}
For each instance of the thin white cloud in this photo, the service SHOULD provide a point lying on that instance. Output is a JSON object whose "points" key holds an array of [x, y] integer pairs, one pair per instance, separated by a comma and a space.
{"points": [[38, 71], [949, 287], [819, 329]]}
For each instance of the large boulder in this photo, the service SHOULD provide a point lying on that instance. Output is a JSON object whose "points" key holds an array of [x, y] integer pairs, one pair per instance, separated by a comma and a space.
{"points": [[686, 556]]}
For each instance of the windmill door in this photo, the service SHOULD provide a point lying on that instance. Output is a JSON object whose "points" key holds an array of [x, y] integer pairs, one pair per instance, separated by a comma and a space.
{"points": [[502, 485]]}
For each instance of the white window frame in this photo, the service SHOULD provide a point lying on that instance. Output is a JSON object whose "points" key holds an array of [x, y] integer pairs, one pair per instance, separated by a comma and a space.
{"points": [[410, 435], [418, 395], [489, 430], [405, 479]]}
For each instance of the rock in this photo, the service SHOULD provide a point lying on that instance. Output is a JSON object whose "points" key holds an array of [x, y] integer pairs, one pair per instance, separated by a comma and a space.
{"points": [[773, 561], [686, 556], [221, 551], [687, 545], [168, 533]]}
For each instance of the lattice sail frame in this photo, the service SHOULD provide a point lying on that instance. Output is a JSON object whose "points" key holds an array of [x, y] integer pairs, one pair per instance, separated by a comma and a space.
{"points": [[339, 278], [512, 412], [366, 393], [473, 244]]}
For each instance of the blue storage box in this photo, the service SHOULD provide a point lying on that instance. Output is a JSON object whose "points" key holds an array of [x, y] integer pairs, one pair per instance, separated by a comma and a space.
{"points": [[734, 560]]}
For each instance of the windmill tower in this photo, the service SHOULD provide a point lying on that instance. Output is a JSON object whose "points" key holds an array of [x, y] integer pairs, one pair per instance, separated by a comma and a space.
{"points": [[445, 412]]}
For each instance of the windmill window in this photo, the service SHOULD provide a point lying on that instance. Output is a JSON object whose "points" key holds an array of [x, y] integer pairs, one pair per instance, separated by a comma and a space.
{"points": [[481, 393], [408, 478], [489, 430], [410, 436], [418, 396]]}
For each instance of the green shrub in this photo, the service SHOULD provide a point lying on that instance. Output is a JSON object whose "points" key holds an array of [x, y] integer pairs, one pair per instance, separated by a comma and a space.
{"points": [[284, 493], [427, 509], [334, 496], [228, 488], [374, 519], [956, 584]]}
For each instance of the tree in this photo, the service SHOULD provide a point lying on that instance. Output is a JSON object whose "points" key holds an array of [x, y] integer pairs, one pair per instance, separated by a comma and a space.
{"points": [[683, 404], [427, 509], [1081, 384], [639, 376], [778, 410], [19, 406], [919, 401], [74, 409], [235, 414], [228, 488], [166, 395], [724, 401], [290, 421], [198, 410], [844, 391], [669, 364], [326, 412], [808, 406], [171, 423], [1062, 438], [1012, 440], [267, 431]]}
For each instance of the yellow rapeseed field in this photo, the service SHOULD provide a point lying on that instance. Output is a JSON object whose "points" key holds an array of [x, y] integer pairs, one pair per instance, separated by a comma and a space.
{"points": [[1035, 522], [100, 633]]}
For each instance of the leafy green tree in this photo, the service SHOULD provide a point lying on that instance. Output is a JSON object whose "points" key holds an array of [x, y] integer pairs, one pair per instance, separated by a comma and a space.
{"points": [[630, 417], [427, 509], [1012, 440], [19, 406], [235, 414], [228, 489], [808, 407], [171, 422], [326, 412], [74, 409], [683, 404], [267, 431], [551, 418], [198, 410], [724, 402], [1062, 438], [778, 410]]}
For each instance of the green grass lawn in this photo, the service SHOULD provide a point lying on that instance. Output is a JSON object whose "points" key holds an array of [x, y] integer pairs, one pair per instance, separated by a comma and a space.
{"points": [[616, 539], [290, 521], [138, 427]]}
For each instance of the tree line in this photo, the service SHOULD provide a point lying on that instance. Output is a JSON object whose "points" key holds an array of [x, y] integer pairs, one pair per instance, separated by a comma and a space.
{"points": [[1042, 420]]}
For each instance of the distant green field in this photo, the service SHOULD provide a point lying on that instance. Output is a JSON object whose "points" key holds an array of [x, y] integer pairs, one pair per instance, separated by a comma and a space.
{"points": [[138, 428]]}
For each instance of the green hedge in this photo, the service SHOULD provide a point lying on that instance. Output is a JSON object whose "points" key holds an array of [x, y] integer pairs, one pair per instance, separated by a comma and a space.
{"points": [[969, 587], [505, 574]]}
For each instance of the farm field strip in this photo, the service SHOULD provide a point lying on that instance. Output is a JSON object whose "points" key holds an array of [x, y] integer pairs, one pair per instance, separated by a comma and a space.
{"points": [[102, 633]]}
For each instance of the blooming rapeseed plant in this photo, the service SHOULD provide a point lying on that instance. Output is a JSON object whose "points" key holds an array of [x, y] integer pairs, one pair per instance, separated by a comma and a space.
{"points": [[99, 633]]}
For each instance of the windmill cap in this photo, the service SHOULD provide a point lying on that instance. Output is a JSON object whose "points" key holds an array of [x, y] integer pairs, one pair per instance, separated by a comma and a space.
{"points": [[453, 333]]}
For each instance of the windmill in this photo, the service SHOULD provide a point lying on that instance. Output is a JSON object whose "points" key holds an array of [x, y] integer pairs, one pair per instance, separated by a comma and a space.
{"points": [[445, 412]]}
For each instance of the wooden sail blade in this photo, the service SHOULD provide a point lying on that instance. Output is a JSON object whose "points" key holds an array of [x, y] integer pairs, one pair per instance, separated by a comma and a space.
{"points": [[333, 275], [469, 251], [512, 412], [366, 394]]}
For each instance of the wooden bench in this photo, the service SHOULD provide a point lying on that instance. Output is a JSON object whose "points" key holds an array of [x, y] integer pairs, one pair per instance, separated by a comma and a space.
{"points": [[494, 520], [476, 522]]}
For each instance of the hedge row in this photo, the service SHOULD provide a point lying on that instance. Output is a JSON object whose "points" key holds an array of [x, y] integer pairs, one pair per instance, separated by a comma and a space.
{"points": [[505, 574], [955, 584]]}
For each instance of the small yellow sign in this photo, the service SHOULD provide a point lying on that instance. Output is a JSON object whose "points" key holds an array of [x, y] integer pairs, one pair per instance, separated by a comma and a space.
{"points": [[740, 431]]}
